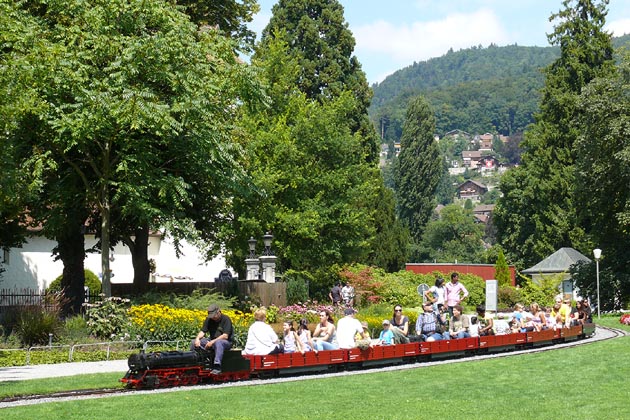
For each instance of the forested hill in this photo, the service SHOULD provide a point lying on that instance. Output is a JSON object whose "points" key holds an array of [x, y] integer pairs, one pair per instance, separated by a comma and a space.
{"points": [[493, 89]]}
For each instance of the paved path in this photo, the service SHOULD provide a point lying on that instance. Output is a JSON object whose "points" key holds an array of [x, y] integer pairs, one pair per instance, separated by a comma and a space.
{"points": [[19, 373]]}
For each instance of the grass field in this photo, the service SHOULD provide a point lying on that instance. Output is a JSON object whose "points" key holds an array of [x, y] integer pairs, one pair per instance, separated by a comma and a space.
{"points": [[585, 382]]}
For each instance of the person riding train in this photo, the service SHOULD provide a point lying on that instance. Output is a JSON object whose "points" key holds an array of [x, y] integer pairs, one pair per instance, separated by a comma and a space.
{"points": [[215, 336]]}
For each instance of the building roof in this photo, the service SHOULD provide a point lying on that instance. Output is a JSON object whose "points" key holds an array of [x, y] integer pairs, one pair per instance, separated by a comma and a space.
{"points": [[558, 262], [472, 181], [484, 208], [471, 154]]}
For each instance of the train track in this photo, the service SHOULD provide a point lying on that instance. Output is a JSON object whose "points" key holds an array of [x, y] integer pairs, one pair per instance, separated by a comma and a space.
{"points": [[601, 334]]}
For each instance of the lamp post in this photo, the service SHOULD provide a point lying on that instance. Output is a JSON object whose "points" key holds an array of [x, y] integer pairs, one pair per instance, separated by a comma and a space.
{"points": [[252, 262], [268, 260], [597, 253], [267, 238]]}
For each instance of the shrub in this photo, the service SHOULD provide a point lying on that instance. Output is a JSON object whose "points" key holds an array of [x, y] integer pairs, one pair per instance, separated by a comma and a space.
{"points": [[625, 319], [374, 286], [74, 330], [508, 296], [35, 323], [542, 291], [297, 287], [199, 299], [108, 318], [91, 281]]}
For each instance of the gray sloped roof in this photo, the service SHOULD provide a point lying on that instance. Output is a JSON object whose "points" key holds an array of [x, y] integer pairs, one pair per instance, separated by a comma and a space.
{"points": [[558, 262]]}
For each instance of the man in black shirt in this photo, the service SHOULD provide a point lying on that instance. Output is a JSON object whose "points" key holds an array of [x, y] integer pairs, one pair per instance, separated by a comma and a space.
{"points": [[335, 294], [216, 334]]}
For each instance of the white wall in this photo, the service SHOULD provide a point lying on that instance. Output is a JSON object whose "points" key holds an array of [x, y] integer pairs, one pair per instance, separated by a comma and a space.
{"points": [[33, 267]]}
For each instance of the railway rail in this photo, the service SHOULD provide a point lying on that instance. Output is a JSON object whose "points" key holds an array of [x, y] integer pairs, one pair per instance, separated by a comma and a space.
{"points": [[602, 333]]}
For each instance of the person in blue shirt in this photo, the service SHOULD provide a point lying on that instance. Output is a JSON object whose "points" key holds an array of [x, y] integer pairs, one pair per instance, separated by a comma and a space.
{"points": [[386, 337]]}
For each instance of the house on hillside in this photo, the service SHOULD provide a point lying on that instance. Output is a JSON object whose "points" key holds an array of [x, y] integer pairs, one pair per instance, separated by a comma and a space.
{"points": [[482, 212], [472, 190], [485, 142], [458, 133], [488, 163], [471, 158]]}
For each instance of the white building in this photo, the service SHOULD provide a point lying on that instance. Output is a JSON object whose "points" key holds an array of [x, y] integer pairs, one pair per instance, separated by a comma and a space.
{"points": [[33, 266]]}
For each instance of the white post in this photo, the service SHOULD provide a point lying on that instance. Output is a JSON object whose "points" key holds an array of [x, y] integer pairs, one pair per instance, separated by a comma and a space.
{"points": [[597, 253]]}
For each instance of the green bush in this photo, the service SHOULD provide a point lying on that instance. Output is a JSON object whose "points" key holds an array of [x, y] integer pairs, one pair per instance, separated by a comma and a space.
{"points": [[542, 291], [508, 296], [91, 281], [375, 286], [75, 330], [297, 287], [35, 323], [198, 299]]}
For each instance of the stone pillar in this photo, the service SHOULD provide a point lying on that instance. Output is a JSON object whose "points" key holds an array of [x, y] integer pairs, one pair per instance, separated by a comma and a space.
{"points": [[253, 268], [268, 263]]}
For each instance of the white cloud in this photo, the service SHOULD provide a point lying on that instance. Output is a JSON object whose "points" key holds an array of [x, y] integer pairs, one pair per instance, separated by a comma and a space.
{"points": [[422, 40], [619, 27]]}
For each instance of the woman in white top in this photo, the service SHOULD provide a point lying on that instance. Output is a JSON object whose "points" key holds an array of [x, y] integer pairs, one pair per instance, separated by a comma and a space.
{"points": [[325, 335], [261, 338], [539, 321], [436, 294]]}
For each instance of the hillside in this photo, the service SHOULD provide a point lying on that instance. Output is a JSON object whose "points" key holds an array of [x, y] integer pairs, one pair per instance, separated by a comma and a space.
{"points": [[493, 89]]}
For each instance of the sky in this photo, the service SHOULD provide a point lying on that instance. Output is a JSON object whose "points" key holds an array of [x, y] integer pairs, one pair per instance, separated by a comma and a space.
{"points": [[393, 34]]}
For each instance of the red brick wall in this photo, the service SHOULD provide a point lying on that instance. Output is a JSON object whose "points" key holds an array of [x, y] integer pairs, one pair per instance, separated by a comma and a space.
{"points": [[485, 271]]}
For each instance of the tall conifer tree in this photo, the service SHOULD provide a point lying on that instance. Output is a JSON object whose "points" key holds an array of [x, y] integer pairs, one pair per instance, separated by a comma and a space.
{"points": [[537, 213], [420, 167], [323, 46]]}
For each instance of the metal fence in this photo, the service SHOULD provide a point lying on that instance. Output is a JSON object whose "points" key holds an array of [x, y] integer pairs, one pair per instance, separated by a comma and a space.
{"points": [[12, 299]]}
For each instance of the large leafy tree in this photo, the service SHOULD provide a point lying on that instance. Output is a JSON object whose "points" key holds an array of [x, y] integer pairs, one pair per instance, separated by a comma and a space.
{"points": [[140, 107], [317, 194], [230, 16], [537, 213], [420, 167], [602, 180], [323, 46]]}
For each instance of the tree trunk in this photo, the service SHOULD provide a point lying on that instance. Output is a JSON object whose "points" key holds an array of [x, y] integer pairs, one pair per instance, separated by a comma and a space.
{"points": [[139, 248], [71, 249]]}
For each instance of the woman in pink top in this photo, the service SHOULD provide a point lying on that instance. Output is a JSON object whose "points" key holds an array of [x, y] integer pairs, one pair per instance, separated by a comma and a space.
{"points": [[455, 293]]}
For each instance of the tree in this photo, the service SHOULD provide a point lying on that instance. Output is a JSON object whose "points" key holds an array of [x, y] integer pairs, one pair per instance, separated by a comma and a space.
{"points": [[316, 193], [140, 108], [538, 211], [502, 270], [602, 179], [420, 168], [322, 46], [230, 16], [454, 236]]}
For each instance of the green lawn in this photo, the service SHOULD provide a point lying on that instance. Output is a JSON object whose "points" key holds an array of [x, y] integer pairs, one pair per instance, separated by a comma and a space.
{"points": [[586, 382]]}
